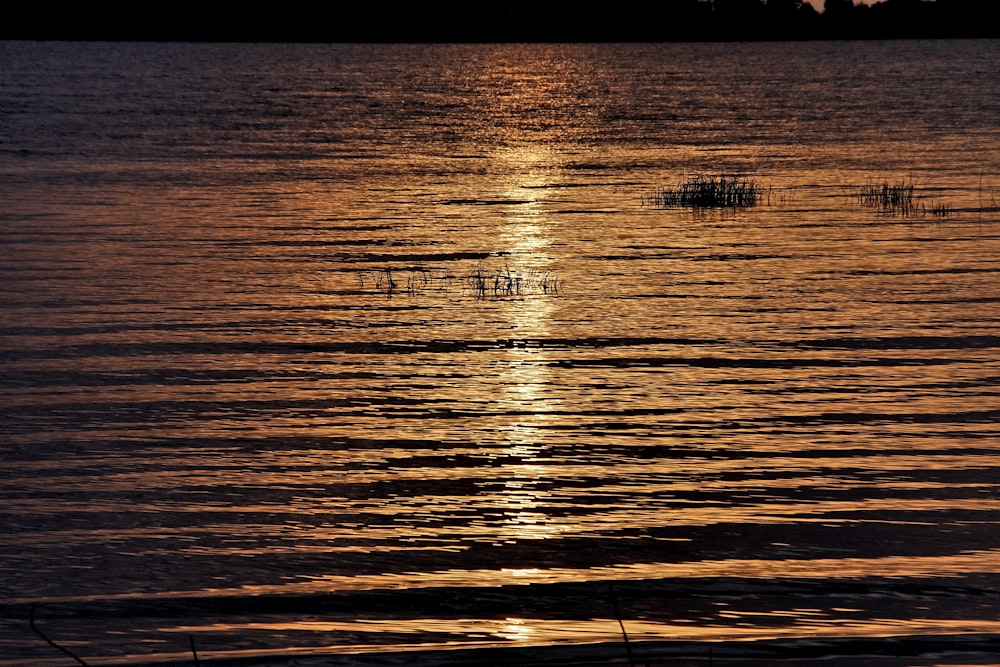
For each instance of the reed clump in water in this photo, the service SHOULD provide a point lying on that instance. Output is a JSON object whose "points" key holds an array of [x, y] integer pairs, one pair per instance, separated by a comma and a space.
{"points": [[897, 198], [711, 191]]}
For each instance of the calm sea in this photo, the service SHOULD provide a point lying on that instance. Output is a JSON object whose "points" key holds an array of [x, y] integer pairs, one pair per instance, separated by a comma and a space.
{"points": [[327, 349]]}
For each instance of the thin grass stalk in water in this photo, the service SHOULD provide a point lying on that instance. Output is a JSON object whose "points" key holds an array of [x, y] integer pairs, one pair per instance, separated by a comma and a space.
{"points": [[507, 282], [940, 210], [37, 631]]}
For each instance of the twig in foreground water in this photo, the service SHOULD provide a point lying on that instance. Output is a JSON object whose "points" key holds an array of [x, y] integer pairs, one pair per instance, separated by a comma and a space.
{"points": [[31, 621]]}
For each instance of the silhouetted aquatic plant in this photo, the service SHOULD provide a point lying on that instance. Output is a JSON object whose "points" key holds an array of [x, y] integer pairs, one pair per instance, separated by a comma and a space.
{"points": [[897, 198], [37, 631], [384, 281], [711, 191], [940, 210], [418, 279], [993, 206], [499, 282], [481, 282], [621, 624], [548, 282], [78, 659], [478, 281]]}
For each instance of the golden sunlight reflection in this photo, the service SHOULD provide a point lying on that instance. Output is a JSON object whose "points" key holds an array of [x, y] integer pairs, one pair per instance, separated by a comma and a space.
{"points": [[487, 632], [421, 364], [522, 516], [525, 404], [524, 234], [517, 630], [525, 398], [819, 568]]}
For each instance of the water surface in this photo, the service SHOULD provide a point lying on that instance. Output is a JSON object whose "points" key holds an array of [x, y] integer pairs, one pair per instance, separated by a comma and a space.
{"points": [[221, 420]]}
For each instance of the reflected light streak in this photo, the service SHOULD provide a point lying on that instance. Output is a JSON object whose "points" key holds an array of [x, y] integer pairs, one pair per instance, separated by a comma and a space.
{"points": [[540, 632], [535, 631], [959, 564], [526, 376]]}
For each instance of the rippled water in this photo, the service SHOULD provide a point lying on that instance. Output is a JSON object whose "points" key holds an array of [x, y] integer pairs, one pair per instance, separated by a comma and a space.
{"points": [[323, 349]]}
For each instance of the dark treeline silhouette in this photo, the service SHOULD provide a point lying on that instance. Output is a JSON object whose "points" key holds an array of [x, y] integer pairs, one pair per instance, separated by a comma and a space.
{"points": [[518, 21]]}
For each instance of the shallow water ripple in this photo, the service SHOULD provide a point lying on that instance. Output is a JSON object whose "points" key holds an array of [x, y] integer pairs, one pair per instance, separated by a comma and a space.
{"points": [[339, 349]]}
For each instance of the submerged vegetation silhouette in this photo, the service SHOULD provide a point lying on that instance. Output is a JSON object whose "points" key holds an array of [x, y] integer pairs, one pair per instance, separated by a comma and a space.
{"points": [[940, 210], [900, 197], [897, 198], [80, 661], [481, 282], [62, 649], [700, 192], [504, 281], [711, 191]]}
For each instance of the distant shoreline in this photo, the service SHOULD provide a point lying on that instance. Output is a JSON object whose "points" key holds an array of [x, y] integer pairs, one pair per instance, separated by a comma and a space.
{"points": [[539, 22]]}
